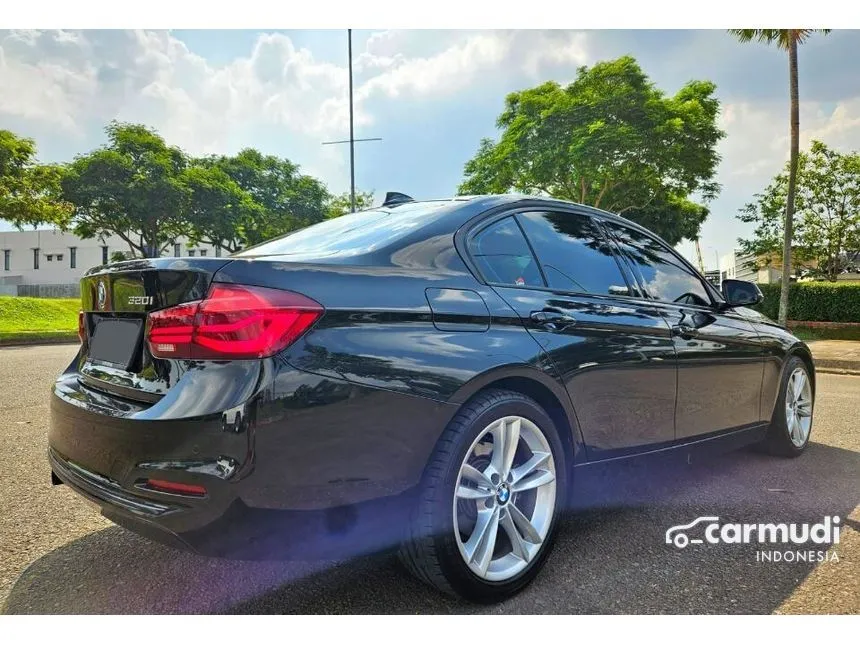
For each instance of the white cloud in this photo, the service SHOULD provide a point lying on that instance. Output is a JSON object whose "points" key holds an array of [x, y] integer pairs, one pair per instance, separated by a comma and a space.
{"points": [[757, 135]]}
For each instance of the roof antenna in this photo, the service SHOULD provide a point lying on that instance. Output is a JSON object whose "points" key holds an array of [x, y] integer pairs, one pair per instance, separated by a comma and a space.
{"points": [[394, 199]]}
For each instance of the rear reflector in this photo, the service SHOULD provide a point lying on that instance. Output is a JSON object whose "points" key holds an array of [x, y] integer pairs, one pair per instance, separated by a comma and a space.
{"points": [[175, 488], [232, 322]]}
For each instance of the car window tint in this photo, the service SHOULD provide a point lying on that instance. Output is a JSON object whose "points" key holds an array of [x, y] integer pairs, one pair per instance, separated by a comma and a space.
{"points": [[662, 274], [503, 256], [352, 234], [573, 254]]}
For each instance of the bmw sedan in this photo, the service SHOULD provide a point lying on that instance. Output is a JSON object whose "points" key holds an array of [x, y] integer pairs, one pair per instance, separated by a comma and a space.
{"points": [[464, 358]]}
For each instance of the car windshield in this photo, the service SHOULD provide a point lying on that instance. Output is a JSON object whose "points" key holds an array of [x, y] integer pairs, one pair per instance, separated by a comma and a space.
{"points": [[352, 234]]}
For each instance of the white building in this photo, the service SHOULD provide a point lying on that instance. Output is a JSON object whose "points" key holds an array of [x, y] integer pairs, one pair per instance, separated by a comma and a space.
{"points": [[52, 257], [737, 266]]}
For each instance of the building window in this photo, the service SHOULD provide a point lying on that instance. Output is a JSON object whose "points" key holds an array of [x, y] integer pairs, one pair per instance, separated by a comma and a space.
{"points": [[35, 259], [50, 257], [190, 253], [73, 257], [59, 257], [7, 260], [202, 253], [177, 250], [104, 255], [217, 251]]}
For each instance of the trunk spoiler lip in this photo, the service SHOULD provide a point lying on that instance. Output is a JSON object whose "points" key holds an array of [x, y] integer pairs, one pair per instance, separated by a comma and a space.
{"points": [[209, 265]]}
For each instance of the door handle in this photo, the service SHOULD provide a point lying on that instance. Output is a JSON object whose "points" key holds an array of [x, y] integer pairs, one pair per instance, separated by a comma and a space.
{"points": [[552, 320], [684, 331]]}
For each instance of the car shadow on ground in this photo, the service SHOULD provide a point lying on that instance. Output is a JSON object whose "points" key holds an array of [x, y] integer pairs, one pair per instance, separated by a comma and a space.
{"points": [[610, 556]]}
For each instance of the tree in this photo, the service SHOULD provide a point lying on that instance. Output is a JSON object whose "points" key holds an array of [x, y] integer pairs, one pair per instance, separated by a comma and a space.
{"points": [[340, 204], [281, 198], [788, 40], [219, 211], [29, 191], [612, 140], [133, 187], [827, 204]]}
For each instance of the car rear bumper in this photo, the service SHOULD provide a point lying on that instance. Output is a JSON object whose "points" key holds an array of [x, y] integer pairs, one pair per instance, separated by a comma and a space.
{"points": [[317, 471]]}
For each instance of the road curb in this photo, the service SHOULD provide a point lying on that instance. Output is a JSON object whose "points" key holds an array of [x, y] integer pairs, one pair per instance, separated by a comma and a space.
{"points": [[39, 341], [837, 370]]}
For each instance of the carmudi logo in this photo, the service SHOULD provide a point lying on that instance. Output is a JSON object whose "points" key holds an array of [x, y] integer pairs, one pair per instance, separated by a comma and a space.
{"points": [[709, 529]]}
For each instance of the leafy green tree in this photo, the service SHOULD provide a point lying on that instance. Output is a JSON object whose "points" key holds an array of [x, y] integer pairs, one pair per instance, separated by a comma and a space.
{"points": [[29, 191], [133, 187], [340, 204], [219, 211], [827, 227], [281, 198], [788, 40], [612, 140]]}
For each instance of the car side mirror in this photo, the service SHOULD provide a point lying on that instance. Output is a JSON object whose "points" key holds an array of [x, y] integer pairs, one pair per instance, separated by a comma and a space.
{"points": [[740, 293]]}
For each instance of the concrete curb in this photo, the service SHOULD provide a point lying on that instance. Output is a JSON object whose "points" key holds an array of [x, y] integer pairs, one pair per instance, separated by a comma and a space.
{"points": [[38, 341], [837, 370]]}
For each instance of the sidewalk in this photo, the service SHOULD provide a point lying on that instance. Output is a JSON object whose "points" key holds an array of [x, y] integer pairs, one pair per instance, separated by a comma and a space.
{"points": [[836, 356]]}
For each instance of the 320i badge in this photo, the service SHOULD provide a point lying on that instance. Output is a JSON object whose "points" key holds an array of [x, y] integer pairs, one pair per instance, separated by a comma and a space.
{"points": [[458, 361]]}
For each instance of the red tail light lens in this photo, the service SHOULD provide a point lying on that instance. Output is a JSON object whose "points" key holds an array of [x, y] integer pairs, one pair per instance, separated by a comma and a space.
{"points": [[82, 326], [232, 322]]}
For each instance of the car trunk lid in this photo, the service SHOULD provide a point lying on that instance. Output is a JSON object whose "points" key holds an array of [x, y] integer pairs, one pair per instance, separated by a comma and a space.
{"points": [[116, 300]]}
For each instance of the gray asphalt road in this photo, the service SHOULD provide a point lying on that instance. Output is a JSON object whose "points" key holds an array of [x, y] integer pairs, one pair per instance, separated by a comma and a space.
{"points": [[58, 555]]}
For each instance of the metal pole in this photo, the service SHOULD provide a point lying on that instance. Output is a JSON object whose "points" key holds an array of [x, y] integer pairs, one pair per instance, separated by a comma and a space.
{"points": [[351, 133]]}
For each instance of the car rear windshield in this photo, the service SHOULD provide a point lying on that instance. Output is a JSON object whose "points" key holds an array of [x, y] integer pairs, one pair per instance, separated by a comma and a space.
{"points": [[352, 234]]}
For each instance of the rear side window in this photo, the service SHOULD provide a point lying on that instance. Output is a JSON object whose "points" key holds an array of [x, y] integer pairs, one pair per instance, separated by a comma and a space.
{"points": [[662, 274], [503, 255], [573, 253]]}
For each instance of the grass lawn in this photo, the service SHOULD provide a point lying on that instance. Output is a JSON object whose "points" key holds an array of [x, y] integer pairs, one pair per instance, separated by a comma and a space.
{"points": [[23, 319]]}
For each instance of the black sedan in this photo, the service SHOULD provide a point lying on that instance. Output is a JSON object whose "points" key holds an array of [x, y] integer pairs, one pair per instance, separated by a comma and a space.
{"points": [[457, 361]]}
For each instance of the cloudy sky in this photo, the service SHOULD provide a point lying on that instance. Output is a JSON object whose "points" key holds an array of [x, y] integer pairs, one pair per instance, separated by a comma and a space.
{"points": [[431, 96]]}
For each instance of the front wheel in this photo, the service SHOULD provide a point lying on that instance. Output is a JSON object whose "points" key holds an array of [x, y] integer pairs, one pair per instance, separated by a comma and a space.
{"points": [[489, 505], [791, 424]]}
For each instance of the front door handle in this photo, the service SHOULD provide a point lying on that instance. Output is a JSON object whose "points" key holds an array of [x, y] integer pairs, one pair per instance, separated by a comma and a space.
{"points": [[552, 320], [684, 331]]}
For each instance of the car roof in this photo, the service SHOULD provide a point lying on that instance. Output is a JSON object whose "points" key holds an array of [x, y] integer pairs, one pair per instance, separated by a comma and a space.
{"points": [[467, 206]]}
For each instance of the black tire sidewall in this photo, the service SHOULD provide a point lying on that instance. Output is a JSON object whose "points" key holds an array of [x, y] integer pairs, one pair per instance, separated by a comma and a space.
{"points": [[455, 570]]}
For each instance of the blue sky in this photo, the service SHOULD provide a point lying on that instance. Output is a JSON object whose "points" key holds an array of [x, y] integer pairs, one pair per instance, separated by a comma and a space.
{"points": [[431, 96]]}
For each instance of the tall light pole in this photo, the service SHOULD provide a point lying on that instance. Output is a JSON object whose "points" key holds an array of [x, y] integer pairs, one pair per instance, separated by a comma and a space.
{"points": [[352, 138]]}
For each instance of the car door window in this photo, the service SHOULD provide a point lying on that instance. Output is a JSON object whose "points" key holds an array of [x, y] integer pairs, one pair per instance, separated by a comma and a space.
{"points": [[573, 253], [663, 275], [503, 256]]}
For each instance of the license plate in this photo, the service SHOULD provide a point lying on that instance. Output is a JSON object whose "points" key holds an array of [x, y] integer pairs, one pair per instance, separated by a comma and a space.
{"points": [[116, 341]]}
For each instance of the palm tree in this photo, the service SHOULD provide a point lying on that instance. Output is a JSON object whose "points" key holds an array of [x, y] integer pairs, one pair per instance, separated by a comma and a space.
{"points": [[788, 40]]}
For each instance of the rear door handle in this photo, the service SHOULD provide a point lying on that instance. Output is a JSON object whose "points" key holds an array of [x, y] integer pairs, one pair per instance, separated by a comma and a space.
{"points": [[552, 320], [684, 331]]}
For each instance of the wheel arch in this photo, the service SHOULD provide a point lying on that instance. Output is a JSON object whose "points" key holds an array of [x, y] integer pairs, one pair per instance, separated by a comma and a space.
{"points": [[541, 387]]}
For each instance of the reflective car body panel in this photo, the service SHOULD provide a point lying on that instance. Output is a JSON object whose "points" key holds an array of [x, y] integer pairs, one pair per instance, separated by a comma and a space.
{"points": [[352, 411]]}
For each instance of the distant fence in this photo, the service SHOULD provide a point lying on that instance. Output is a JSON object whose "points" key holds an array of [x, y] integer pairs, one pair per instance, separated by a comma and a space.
{"points": [[45, 290]]}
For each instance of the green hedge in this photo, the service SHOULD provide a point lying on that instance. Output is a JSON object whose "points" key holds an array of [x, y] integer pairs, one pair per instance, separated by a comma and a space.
{"points": [[815, 301]]}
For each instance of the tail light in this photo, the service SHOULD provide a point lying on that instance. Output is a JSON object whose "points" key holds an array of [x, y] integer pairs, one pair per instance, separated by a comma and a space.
{"points": [[232, 322], [82, 326]]}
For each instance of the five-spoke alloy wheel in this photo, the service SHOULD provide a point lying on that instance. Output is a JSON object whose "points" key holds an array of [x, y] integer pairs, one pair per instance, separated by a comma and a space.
{"points": [[490, 500], [791, 424], [505, 499]]}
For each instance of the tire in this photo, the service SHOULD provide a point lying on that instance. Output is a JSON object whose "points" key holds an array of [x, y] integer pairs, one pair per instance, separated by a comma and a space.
{"points": [[436, 548], [785, 438]]}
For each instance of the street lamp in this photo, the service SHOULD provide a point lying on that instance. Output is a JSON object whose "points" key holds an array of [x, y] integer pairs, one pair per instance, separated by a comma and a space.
{"points": [[351, 141]]}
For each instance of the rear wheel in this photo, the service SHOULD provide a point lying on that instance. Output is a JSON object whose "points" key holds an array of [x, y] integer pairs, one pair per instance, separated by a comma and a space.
{"points": [[488, 509], [791, 425]]}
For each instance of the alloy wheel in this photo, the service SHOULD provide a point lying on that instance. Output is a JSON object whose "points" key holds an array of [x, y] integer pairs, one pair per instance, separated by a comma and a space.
{"points": [[798, 407], [505, 498]]}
